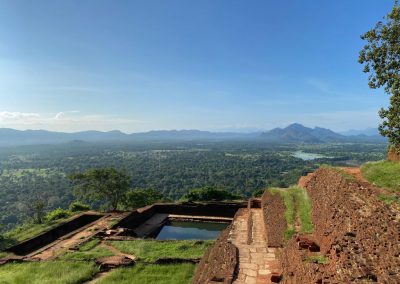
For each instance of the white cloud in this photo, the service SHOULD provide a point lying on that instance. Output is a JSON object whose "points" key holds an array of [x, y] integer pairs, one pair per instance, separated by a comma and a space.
{"points": [[68, 121]]}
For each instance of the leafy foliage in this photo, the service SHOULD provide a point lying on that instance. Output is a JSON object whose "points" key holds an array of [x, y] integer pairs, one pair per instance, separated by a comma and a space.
{"points": [[29, 173], [107, 185], [136, 198], [381, 59], [78, 207], [57, 214], [209, 194]]}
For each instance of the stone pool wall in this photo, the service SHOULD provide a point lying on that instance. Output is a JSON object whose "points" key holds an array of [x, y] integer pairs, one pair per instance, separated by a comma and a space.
{"points": [[219, 263], [50, 236], [214, 209]]}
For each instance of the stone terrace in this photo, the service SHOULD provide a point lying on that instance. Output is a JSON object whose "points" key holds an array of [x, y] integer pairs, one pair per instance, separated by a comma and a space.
{"points": [[257, 262]]}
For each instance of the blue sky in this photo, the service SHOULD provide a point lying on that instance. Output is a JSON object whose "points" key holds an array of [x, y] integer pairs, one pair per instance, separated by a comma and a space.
{"points": [[210, 65]]}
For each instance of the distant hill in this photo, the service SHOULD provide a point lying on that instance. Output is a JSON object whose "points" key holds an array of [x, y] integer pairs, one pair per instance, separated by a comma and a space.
{"points": [[294, 133], [367, 132], [297, 133]]}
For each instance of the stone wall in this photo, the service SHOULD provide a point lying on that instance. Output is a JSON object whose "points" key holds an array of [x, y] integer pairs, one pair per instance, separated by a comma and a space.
{"points": [[356, 232], [274, 218], [50, 236], [215, 209], [219, 262]]}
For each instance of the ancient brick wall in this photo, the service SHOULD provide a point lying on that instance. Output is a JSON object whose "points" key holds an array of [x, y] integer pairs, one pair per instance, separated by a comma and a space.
{"points": [[51, 235], [219, 262], [274, 220], [357, 233]]}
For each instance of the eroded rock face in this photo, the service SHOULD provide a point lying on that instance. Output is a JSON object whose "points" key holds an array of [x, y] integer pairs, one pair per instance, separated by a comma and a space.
{"points": [[274, 218], [393, 155], [357, 233]]}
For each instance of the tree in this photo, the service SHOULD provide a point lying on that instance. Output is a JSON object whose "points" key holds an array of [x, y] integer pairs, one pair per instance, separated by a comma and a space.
{"points": [[105, 185], [381, 59], [208, 193], [38, 207], [136, 198]]}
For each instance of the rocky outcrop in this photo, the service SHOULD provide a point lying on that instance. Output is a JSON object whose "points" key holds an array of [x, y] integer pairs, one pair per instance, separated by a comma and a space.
{"points": [[274, 218], [357, 234]]}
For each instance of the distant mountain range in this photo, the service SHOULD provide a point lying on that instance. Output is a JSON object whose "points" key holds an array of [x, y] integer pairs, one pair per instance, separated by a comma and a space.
{"points": [[294, 133], [367, 131]]}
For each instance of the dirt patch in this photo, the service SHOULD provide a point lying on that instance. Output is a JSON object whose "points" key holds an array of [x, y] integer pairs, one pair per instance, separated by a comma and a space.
{"points": [[219, 262], [304, 180], [109, 262], [274, 218], [357, 234]]}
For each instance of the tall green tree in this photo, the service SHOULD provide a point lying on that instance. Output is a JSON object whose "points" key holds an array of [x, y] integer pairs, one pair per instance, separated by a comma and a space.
{"points": [[381, 59], [136, 198], [106, 185]]}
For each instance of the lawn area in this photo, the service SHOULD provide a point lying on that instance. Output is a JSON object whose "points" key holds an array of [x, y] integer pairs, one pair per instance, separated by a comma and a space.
{"points": [[151, 250], [88, 251], [151, 274], [297, 203], [52, 272], [383, 174]]}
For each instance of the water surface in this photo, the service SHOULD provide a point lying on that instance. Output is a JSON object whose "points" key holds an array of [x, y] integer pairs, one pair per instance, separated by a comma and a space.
{"points": [[184, 230], [307, 156]]}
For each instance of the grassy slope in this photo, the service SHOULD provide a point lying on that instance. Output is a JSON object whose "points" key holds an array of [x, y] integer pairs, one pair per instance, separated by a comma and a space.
{"points": [[151, 274], [383, 174], [52, 272], [297, 203], [24, 232], [88, 251], [151, 250]]}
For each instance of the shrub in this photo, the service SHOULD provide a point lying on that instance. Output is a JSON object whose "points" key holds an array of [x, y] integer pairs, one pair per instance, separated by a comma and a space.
{"points": [[136, 198], [209, 194], [57, 214], [77, 206]]}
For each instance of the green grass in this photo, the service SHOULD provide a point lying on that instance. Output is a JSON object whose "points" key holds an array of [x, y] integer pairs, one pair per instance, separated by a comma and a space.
{"points": [[88, 251], [297, 203], [151, 274], [151, 250], [389, 199], [30, 230], [3, 254], [346, 176], [318, 259], [383, 174], [52, 272]]}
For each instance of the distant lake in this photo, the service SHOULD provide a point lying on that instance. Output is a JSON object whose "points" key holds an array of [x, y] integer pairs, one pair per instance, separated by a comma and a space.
{"points": [[307, 156]]}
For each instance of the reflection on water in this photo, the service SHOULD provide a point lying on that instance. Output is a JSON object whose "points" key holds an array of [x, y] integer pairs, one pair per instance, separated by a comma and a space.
{"points": [[307, 156], [181, 230]]}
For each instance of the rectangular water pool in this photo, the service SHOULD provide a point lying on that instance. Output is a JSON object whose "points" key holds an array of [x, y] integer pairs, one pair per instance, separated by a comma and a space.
{"points": [[187, 230]]}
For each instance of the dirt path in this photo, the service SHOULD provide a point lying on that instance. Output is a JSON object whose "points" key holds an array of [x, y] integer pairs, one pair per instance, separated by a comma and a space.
{"points": [[257, 262], [75, 238], [117, 254], [355, 172]]}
